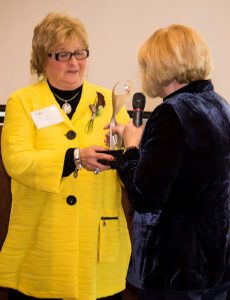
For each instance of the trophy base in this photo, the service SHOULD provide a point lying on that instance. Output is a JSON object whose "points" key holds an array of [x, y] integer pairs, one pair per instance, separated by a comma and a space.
{"points": [[115, 153]]}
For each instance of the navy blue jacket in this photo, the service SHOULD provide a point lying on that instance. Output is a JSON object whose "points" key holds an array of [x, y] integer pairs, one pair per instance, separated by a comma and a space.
{"points": [[179, 185]]}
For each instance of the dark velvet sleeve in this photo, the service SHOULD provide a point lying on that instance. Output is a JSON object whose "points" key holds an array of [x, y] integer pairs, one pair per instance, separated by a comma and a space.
{"points": [[149, 174], [69, 165]]}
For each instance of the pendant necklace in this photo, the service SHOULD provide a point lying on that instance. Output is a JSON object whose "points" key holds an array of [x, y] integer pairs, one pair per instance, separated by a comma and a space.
{"points": [[66, 106]]}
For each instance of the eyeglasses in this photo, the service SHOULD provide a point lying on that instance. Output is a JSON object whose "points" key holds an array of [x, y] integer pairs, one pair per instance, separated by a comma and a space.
{"points": [[66, 55]]}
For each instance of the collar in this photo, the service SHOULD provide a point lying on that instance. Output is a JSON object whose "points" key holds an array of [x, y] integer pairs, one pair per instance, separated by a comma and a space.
{"points": [[194, 87]]}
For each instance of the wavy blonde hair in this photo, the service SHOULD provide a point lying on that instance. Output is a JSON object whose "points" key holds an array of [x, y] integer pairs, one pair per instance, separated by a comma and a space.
{"points": [[173, 53], [54, 30]]}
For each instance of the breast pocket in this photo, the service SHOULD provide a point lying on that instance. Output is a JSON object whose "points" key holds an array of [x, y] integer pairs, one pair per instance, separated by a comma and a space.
{"points": [[109, 239]]}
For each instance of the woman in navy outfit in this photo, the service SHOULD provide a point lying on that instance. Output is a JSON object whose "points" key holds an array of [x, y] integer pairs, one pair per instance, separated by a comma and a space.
{"points": [[176, 171]]}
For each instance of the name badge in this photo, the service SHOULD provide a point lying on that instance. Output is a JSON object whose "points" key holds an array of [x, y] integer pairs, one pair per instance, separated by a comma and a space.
{"points": [[46, 116]]}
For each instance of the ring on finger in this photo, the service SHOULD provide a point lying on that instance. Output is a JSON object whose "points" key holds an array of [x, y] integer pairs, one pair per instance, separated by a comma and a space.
{"points": [[97, 171]]}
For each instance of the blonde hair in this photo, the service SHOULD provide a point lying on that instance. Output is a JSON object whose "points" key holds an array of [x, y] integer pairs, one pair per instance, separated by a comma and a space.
{"points": [[173, 53], [54, 30]]}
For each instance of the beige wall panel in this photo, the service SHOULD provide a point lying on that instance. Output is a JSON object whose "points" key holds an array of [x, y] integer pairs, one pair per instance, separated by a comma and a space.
{"points": [[116, 31]]}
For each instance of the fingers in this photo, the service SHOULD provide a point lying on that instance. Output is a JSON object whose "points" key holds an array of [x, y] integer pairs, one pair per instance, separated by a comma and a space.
{"points": [[118, 129], [107, 126], [92, 157], [115, 130], [107, 139], [130, 134]]}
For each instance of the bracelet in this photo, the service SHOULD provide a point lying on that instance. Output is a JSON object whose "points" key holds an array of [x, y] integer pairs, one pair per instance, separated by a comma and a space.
{"points": [[77, 161]]}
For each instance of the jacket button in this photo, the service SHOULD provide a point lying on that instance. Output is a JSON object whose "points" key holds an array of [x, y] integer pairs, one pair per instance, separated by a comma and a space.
{"points": [[71, 135], [71, 200]]}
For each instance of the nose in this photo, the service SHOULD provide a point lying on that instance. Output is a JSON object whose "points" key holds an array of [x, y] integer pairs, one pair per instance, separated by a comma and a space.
{"points": [[73, 59]]}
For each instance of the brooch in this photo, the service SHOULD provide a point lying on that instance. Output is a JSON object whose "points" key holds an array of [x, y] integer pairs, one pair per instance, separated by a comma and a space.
{"points": [[96, 109]]}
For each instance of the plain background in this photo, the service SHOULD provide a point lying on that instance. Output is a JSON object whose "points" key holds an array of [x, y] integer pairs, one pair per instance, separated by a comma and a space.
{"points": [[116, 28]]}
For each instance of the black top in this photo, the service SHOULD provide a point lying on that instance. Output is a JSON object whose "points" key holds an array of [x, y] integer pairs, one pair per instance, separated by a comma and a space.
{"points": [[67, 95], [69, 165]]}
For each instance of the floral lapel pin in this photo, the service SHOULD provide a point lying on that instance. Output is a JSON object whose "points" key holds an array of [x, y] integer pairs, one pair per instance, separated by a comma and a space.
{"points": [[96, 109]]}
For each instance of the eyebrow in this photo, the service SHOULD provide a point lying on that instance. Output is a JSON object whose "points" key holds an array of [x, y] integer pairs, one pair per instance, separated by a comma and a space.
{"points": [[65, 50]]}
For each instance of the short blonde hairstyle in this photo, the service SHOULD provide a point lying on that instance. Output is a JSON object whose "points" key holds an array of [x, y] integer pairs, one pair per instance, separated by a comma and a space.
{"points": [[54, 30], [173, 53]]}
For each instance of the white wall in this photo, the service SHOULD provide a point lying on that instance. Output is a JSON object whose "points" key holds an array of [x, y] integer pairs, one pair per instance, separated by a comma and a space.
{"points": [[116, 30]]}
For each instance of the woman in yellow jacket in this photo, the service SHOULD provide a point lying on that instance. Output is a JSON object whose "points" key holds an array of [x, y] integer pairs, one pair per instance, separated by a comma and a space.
{"points": [[67, 236]]}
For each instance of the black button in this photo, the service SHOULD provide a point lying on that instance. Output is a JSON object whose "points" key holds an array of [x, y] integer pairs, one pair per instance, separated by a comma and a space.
{"points": [[71, 200], [71, 135]]}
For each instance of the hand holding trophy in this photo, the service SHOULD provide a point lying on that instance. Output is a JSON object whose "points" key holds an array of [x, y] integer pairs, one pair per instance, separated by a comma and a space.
{"points": [[118, 100]]}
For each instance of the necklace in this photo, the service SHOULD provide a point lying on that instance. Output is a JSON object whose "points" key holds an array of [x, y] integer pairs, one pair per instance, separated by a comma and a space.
{"points": [[66, 106]]}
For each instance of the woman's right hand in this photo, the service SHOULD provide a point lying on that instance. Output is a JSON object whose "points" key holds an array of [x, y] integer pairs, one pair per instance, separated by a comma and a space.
{"points": [[130, 134], [89, 158]]}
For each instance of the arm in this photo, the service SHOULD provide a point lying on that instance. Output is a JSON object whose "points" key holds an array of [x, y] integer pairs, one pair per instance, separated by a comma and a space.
{"points": [[33, 161], [148, 173]]}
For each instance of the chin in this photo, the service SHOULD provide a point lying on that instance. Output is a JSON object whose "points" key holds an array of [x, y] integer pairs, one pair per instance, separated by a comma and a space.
{"points": [[73, 84]]}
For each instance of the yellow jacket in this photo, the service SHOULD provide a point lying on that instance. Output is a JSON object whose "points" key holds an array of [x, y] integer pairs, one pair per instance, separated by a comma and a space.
{"points": [[56, 247]]}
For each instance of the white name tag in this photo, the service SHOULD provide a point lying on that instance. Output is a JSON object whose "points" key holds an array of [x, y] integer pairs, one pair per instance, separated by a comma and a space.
{"points": [[47, 116]]}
